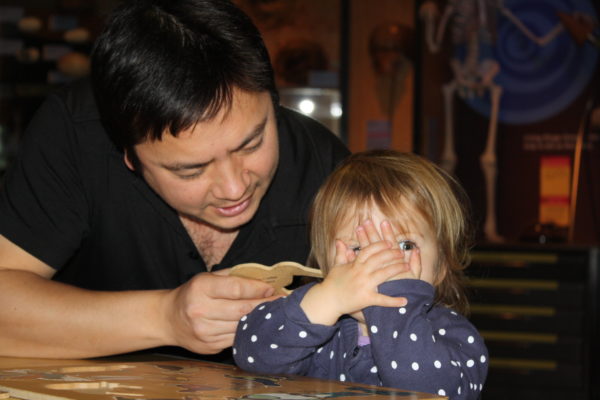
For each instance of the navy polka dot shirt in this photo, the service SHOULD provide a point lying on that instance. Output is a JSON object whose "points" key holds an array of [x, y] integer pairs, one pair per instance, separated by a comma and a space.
{"points": [[418, 347]]}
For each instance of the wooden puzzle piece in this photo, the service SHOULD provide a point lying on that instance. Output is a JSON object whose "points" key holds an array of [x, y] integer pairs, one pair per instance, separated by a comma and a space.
{"points": [[278, 275]]}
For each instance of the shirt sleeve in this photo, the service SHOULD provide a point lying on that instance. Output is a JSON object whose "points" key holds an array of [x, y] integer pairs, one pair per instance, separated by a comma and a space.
{"points": [[277, 338], [423, 347], [43, 208]]}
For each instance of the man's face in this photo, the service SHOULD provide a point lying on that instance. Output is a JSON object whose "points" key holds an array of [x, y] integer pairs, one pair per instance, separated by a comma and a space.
{"points": [[217, 171]]}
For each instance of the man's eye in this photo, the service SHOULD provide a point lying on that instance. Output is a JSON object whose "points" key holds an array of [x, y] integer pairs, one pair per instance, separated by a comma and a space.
{"points": [[407, 245], [254, 145], [191, 176]]}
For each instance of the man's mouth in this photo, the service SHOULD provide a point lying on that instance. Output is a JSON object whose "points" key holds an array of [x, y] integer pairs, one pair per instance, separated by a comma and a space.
{"points": [[235, 209]]}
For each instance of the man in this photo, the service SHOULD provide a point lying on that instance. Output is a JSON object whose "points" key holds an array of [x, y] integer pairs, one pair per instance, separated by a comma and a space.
{"points": [[180, 163]]}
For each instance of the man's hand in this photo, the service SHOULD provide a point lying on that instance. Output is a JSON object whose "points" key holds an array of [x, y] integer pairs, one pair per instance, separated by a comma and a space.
{"points": [[203, 313]]}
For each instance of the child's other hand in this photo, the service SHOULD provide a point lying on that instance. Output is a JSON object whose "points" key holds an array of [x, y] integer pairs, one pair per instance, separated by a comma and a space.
{"points": [[412, 256], [351, 284], [355, 277]]}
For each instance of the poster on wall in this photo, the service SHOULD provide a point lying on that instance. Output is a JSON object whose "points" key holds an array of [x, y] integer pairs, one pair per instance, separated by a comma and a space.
{"points": [[505, 87]]}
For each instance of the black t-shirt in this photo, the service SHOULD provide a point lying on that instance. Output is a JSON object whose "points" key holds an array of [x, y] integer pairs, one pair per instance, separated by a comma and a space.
{"points": [[70, 201]]}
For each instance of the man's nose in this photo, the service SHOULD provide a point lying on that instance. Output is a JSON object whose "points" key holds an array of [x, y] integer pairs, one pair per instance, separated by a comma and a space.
{"points": [[231, 180]]}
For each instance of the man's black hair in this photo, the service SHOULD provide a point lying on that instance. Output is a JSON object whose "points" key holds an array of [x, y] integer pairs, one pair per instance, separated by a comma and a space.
{"points": [[163, 65]]}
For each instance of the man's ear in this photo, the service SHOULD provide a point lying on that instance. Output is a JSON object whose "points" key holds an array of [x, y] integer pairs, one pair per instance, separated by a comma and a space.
{"points": [[127, 160]]}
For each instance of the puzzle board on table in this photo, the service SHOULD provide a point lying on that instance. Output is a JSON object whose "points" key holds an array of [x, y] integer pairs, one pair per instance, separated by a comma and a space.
{"points": [[174, 380]]}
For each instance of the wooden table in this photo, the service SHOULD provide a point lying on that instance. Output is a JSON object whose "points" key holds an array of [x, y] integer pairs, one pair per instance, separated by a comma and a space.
{"points": [[168, 379]]}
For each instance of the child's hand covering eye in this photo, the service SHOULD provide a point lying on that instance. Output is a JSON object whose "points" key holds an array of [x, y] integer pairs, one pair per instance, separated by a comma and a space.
{"points": [[351, 285], [411, 255]]}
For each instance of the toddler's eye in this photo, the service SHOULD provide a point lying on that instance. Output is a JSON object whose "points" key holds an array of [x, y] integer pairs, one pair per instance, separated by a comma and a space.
{"points": [[356, 249], [407, 245]]}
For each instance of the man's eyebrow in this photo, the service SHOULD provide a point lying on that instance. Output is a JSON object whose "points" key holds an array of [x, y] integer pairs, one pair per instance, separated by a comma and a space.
{"points": [[178, 166]]}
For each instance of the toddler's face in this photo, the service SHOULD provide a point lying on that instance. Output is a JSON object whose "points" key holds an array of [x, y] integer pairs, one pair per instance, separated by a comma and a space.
{"points": [[410, 230]]}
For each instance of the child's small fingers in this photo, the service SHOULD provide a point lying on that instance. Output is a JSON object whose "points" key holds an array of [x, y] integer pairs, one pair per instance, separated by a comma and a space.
{"points": [[362, 237], [377, 253], [390, 271], [389, 301], [372, 232], [404, 275], [384, 253], [388, 232], [350, 255], [341, 252]]}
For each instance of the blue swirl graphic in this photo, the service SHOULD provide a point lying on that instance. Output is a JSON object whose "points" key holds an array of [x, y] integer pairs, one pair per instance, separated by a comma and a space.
{"points": [[537, 81]]}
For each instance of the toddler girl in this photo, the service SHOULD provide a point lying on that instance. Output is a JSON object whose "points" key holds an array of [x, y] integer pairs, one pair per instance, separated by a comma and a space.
{"points": [[390, 232]]}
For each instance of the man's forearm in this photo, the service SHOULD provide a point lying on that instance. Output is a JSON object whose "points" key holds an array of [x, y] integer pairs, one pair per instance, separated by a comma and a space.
{"points": [[43, 318]]}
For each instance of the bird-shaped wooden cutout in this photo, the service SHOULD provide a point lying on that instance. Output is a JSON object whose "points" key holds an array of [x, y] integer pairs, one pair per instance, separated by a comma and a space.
{"points": [[278, 275]]}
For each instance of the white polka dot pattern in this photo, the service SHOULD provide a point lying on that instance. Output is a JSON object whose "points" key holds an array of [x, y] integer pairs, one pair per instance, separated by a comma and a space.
{"points": [[400, 349]]}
